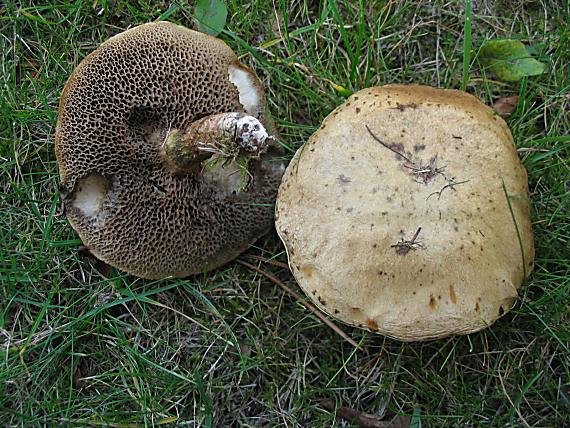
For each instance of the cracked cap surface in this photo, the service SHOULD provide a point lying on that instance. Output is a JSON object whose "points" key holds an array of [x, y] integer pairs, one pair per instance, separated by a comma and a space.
{"points": [[408, 234], [128, 209]]}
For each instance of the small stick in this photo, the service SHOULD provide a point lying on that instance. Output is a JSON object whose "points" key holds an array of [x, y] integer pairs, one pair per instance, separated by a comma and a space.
{"points": [[387, 146], [296, 296], [416, 235], [450, 185], [403, 247], [363, 419], [268, 261]]}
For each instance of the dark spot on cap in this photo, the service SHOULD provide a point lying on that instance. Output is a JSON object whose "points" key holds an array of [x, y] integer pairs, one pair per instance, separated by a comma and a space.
{"points": [[432, 302], [452, 294]]}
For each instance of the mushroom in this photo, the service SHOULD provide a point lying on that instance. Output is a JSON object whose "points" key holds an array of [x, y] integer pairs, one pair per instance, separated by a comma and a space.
{"points": [[407, 213], [165, 163]]}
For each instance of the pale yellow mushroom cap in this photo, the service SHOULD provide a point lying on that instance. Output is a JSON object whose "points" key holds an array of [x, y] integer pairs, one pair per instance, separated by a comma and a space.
{"points": [[409, 234]]}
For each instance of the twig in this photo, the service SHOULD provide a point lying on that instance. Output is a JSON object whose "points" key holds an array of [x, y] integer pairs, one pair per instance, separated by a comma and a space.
{"points": [[448, 185], [426, 173], [416, 234], [387, 146], [403, 247], [268, 261], [297, 297], [365, 420]]}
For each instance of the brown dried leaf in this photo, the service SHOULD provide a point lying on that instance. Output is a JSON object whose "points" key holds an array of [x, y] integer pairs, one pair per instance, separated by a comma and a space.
{"points": [[366, 420], [506, 106]]}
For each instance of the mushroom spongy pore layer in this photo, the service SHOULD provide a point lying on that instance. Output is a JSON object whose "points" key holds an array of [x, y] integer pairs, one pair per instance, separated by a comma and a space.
{"points": [[395, 217], [137, 215]]}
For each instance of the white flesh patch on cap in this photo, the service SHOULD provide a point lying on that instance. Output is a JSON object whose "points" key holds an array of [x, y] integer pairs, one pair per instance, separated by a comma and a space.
{"points": [[90, 195], [249, 96]]}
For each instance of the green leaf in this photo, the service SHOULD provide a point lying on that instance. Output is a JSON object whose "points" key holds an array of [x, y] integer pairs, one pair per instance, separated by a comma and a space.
{"points": [[509, 60], [211, 16]]}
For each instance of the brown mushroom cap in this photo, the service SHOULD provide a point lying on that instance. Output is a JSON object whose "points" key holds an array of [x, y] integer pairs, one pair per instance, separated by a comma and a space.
{"points": [[116, 108], [404, 228]]}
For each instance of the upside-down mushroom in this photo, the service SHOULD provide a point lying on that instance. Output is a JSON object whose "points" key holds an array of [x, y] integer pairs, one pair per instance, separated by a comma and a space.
{"points": [[165, 162]]}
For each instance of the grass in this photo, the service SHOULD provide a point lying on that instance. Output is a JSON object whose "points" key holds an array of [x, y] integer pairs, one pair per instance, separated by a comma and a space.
{"points": [[77, 348], [467, 44]]}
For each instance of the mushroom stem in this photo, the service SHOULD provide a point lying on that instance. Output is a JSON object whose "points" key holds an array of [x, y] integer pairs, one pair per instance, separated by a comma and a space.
{"points": [[226, 135]]}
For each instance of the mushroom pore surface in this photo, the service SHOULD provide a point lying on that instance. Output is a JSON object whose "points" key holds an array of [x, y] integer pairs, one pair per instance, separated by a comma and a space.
{"points": [[118, 109], [395, 217]]}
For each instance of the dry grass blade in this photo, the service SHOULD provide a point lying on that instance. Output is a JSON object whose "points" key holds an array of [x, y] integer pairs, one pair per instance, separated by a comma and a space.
{"points": [[298, 297]]}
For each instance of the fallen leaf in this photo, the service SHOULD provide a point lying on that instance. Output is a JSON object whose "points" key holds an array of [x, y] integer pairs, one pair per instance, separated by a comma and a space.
{"points": [[210, 16], [506, 106], [509, 60], [366, 420]]}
